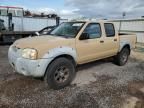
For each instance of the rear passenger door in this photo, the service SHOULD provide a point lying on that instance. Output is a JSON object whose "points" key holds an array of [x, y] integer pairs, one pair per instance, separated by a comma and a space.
{"points": [[110, 40]]}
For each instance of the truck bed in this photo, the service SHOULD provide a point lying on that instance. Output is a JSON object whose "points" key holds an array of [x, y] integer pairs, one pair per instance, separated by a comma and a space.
{"points": [[10, 36], [128, 38], [17, 32]]}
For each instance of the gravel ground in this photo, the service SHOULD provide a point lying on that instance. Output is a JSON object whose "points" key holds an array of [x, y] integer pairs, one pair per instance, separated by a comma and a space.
{"points": [[100, 84]]}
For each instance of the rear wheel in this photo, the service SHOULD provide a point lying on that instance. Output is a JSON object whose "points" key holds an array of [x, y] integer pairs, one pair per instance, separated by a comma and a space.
{"points": [[122, 57], [60, 73]]}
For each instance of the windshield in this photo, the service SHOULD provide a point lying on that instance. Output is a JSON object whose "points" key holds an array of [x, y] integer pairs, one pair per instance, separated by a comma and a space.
{"points": [[67, 29]]}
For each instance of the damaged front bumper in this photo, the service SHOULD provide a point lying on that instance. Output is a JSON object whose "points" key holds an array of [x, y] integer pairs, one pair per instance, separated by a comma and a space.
{"points": [[27, 67]]}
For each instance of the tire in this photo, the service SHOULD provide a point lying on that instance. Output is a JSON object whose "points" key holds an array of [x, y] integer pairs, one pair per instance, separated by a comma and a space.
{"points": [[122, 57], [60, 73]]}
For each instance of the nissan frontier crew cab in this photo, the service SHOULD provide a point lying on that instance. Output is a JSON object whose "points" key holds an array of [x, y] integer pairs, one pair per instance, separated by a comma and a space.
{"points": [[56, 55]]}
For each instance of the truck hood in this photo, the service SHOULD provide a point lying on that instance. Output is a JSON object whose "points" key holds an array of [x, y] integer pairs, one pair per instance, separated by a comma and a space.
{"points": [[32, 42], [44, 43]]}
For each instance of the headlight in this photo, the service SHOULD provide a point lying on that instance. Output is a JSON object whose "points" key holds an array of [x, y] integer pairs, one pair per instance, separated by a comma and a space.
{"points": [[29, 53]]}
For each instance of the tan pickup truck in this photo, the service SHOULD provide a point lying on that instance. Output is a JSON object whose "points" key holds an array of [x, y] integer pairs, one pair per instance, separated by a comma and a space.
{"points": [[56, 55]]}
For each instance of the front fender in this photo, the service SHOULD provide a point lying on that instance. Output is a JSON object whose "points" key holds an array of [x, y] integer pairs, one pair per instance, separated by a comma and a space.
{"points": [[52, 54], [61, 51]]}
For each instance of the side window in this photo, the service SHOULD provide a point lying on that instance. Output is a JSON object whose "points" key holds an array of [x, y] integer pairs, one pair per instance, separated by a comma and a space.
{"points": [[93, 30], [3, 12], [109, 29], [12, 11], [19, 13]]}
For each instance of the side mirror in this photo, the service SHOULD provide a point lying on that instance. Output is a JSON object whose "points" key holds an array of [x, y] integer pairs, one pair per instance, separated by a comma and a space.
{"points": [[84, 36]]}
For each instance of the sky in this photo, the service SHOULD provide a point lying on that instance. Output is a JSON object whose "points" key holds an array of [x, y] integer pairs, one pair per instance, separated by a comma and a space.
{"points": [[83, 8]]}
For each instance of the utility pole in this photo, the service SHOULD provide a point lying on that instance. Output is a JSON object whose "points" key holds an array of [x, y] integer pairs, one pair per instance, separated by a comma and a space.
{"points": [[124, 14]]}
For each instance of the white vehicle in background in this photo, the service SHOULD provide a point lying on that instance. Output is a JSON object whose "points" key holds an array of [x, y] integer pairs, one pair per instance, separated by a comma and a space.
{"points": [[23, 22], [18, 25]]}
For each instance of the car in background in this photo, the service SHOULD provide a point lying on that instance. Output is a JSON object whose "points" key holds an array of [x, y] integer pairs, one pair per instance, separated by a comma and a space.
{"points": [[45, 31]]}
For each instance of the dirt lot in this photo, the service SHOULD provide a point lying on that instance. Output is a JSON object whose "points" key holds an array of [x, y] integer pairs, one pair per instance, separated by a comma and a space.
{"points": [[100, 84]]}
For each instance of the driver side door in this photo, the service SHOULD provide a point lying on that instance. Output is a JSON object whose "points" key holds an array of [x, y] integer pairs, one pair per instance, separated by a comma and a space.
{"points": [[89, 49]]}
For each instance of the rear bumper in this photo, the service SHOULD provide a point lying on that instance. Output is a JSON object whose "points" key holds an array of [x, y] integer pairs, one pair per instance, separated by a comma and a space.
{"points": [[27, 67]]}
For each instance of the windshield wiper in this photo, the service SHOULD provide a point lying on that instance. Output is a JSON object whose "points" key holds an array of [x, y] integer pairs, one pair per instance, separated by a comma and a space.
{"points": [[60, 35]]}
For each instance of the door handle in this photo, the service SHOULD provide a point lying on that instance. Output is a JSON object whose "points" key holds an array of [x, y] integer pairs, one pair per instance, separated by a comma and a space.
{"points": [[115, 39], [101, 41]]}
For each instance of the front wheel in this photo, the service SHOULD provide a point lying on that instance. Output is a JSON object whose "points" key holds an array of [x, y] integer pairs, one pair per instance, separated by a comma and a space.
{"points": [[60, 73], [122, 57]]}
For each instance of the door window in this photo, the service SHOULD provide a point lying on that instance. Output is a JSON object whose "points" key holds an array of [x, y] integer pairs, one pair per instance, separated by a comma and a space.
{"points": [[109, 29], [93, 30]]}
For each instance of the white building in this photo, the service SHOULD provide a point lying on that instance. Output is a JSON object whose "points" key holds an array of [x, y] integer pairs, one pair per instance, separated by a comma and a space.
{"points": [[131, 26]]}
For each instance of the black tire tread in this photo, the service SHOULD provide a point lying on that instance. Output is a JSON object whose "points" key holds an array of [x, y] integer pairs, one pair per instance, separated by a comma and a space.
{"points": [[118, 56], [52, 66]]}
